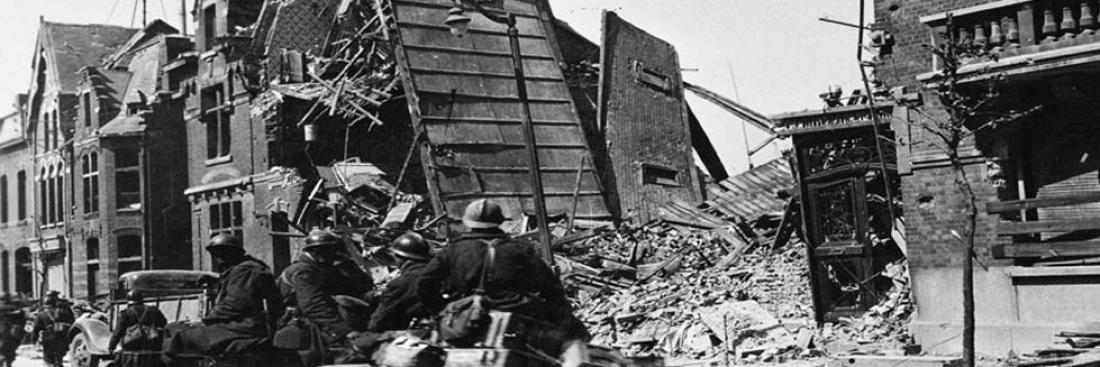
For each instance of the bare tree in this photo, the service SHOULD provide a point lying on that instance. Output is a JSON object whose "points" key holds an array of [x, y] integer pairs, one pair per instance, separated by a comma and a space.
{"points": [[966, 112]]}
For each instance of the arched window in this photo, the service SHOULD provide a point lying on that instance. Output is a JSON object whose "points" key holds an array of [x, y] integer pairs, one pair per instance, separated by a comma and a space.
{"points": [[23, 271]]}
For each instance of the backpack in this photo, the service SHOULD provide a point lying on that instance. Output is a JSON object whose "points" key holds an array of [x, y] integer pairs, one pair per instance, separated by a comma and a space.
{"points": [[466, 318], [54, 330], [142, 334]]}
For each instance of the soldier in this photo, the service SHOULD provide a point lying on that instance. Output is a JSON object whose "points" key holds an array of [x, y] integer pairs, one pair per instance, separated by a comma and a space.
{"points": [[243, 307], [309, 287], [518, 280], [139, 329], [400, 303], [12, 321], [52, 324]]}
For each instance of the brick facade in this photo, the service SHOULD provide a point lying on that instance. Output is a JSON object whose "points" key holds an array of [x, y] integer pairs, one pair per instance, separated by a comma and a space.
{"points": [[1018, 306]]}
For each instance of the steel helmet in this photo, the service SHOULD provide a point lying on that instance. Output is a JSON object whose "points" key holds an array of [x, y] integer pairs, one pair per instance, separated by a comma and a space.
{"points": [[319, 238], [483, 213], [225, 240], [134, 296], [411, 245]]}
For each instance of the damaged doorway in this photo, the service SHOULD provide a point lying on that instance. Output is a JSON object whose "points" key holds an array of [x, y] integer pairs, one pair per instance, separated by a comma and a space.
{"points": [[847, 218]]}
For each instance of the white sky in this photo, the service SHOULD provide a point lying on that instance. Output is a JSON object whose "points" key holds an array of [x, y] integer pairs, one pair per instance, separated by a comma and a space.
{"points": [[780, 54]]}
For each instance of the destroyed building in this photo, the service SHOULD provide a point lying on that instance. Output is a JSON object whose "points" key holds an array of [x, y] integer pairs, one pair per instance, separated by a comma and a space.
{"points": [[284, 97], [1036, 178]]}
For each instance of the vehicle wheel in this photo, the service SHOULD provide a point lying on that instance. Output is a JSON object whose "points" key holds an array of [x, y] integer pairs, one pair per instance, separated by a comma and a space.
{"points": [[79, 354]]}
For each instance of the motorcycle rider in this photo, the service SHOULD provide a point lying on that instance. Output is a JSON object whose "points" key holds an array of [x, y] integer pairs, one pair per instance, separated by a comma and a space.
{"points": [[310, 287], [400, 304]]}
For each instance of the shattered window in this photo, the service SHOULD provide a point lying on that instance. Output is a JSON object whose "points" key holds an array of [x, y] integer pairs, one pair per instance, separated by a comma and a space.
{"points": [[655, 175], [227, 217]]}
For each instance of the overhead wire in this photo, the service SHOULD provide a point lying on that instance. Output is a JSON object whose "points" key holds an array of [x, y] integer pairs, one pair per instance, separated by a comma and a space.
{"points": [[112, 12], [133, 14]]}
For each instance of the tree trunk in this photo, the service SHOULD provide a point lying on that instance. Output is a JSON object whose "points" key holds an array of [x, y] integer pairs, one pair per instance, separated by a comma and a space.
{"points": [[963, 183]]}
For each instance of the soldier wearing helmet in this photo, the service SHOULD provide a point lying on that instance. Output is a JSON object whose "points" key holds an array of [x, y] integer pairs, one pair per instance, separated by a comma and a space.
{"points": [[52, 324], [245, 304], [12, 321], [139, 329], [400, 305], [310, 287], [516, 280]]}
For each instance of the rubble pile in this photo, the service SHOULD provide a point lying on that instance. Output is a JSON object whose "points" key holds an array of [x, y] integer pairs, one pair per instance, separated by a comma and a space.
{"points": [[652, 291]]}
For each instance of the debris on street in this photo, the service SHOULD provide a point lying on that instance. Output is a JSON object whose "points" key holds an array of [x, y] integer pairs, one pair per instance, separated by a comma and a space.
{"points": [[654, 291]]}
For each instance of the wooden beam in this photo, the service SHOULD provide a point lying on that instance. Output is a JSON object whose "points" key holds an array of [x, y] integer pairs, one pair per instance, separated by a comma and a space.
{"points": [[701, 142], [1065, 225], [1047, 249], [753, 117], [1045, 202]]}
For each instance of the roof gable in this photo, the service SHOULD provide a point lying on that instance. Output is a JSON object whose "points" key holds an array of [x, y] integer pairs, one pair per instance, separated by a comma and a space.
{"points": [[70, 47]]}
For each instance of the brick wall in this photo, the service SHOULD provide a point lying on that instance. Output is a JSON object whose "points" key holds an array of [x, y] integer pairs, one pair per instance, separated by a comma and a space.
{"points": [[933, 204], [646, 121]]}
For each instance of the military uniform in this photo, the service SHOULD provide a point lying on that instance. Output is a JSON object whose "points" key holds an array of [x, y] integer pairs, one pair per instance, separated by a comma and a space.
{"points": [[137, 314], [308, 287], [516, 270], [52, 324], [238, 321], [12, 321], [400, 303]]}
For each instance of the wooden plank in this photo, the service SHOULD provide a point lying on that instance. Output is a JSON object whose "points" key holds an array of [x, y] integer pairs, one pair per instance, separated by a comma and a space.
{"points": [[451, 49], [463, 93], [464, 181], [518, 7], [1065, 225], [1045, 202], [471, 86], [553, 135], [486, 29], [438, 105], [484, 74], [1047, 249], [702, 145], [442, 38], [502, 156], [493, 121], [428, 60]]}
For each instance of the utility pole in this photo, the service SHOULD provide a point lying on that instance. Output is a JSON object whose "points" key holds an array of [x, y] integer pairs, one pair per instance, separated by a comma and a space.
{"points": [[144, 13], [183, 17]]}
